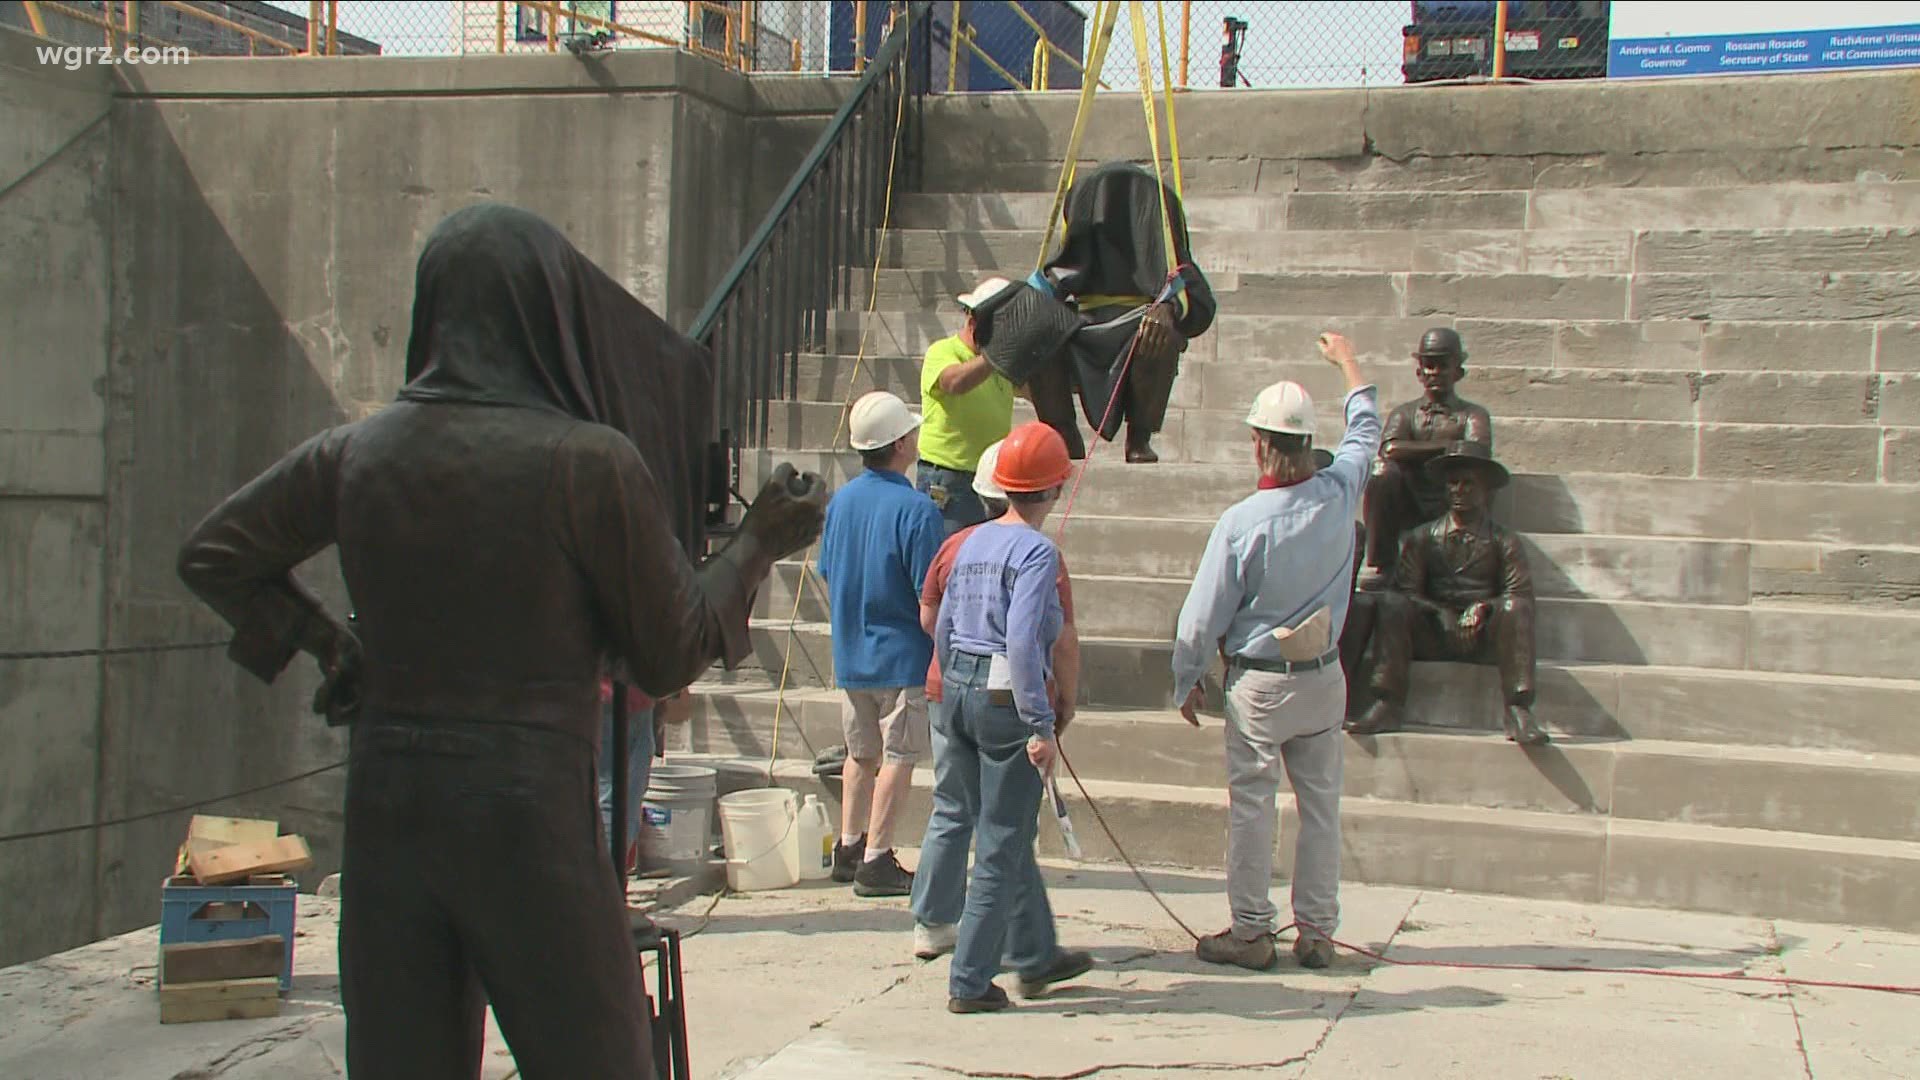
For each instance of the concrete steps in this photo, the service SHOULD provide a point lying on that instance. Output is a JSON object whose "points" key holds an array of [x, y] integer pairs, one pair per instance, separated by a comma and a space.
{"points": [[1833, 453], [1442, 249], [1892, 205], [1777, 639], [1544, 855], [1538, 338], [1573, 502], [1829, 792]]}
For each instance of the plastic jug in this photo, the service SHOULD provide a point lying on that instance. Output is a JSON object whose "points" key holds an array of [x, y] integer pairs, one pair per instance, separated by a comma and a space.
{"points": [[814, 830]]}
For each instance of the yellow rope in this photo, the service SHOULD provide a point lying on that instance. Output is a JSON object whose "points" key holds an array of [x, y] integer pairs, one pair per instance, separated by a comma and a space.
{"points": [[846, 407], [1140, 50], [1104, 16], [1173, 129]]}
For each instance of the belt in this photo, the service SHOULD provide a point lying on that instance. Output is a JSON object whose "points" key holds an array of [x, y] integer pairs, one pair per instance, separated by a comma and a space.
{"points": [[946, 468], [1288, 667]]}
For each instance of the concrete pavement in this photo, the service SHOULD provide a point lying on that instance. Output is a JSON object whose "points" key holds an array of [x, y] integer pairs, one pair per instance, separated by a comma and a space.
{"points": [[814, 983]]}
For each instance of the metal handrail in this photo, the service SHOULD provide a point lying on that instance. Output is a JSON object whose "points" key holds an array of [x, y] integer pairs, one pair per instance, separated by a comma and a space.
{"points": [[775, 299]]}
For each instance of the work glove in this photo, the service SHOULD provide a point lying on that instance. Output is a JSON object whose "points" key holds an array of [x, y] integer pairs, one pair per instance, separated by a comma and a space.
{"points": [[788, 513]]}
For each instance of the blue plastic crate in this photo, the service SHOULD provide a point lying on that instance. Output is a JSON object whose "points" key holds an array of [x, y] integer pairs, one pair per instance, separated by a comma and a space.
{"points": [[181, 901]]}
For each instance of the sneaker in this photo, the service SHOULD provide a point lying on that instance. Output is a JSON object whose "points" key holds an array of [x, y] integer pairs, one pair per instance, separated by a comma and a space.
{"points": [[883, 876], [846, 859], [1313, 952], [993, 1000], [1067, 965], [1224, 948], [933, 942]]}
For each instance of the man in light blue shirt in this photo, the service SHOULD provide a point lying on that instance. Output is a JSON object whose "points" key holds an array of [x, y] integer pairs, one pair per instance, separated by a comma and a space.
{"points": [[1271, 595]]}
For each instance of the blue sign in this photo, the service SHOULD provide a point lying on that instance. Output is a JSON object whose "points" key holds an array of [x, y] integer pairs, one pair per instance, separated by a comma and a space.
{"points": [[1765, 54]]}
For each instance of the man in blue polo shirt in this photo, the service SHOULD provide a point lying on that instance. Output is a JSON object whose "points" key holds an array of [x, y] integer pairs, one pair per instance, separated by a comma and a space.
{"points": [[881, 535]]}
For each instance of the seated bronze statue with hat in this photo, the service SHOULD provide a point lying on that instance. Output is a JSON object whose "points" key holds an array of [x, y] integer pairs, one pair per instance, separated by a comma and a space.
{"points": [[1461, 591]]}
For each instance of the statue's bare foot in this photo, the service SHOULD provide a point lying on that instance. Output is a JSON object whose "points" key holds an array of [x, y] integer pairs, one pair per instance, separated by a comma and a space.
{"points": [[1381, 717], [1523, 728]]}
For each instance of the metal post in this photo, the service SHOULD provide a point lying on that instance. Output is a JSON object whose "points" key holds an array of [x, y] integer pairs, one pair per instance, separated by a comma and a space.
{"points": [[1186, 29], [34, 20], [333, 27], [795, 43], [1500, 39], [748, 52], [617, 832], [313, 26], [859, 36], [500, 27]]}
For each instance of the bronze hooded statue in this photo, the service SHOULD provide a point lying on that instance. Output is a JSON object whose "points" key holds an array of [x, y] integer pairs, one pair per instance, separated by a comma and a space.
{"points": [[527, 512]]}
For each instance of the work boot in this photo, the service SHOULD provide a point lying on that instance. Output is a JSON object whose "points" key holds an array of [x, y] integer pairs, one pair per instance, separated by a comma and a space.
{"points": [[1381, 716], [1224, 948], [1313, 951], [1067, 965], [883, 876], [935, 941], [847, 859], [993, 1000], [1523, 728]]}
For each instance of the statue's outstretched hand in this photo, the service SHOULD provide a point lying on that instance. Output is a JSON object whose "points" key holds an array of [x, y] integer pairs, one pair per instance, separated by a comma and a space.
{"points": [[788, 513]]}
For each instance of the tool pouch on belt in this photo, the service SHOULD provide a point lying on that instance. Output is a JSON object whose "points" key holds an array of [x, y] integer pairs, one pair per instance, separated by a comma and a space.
{"points": [[1025, 329], [1307, 640]]}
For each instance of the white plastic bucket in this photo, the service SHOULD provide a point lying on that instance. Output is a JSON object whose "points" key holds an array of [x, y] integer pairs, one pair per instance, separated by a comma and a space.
{"points": [[676, 818], [758, 829]]}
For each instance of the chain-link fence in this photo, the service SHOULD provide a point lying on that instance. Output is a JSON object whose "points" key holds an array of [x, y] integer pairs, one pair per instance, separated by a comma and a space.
{"points": [[979, 45]]}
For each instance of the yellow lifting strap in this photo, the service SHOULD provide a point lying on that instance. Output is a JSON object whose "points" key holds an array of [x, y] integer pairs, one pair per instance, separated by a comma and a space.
{"points": [[1166, 90], [1140, 51]]}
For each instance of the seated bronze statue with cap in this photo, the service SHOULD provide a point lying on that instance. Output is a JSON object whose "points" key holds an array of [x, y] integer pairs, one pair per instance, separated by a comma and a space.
{"points": [[1402, 494], [1462, 591]]}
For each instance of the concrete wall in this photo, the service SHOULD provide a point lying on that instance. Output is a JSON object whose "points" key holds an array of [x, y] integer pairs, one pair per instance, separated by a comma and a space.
{"points": [[54, 273], [200, 267], [1645, 133]]}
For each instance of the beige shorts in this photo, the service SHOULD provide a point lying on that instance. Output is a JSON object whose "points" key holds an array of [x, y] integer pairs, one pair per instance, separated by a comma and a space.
{"points": [[886, 723]]}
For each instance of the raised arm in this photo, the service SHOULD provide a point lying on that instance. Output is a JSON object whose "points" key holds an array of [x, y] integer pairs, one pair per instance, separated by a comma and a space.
{"points": [[668, 620]]}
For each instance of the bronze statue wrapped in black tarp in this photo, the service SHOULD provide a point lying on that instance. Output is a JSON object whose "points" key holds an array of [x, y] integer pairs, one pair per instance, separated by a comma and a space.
{"points": [[1073, 325], [521, 516], [1462, 591]]}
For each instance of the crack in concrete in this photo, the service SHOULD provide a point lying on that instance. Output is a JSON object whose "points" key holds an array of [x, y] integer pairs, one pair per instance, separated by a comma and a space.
{"points": [[257, 1046], [1775, 950], [1095, 1070], [1405, 918]]}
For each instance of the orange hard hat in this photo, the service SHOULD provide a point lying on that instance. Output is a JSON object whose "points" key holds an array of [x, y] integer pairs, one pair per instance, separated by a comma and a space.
{"points": [[1032, 458]]}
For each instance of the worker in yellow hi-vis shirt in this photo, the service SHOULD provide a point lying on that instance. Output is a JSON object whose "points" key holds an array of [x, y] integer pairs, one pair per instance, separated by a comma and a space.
{"points": [[968, 406]]}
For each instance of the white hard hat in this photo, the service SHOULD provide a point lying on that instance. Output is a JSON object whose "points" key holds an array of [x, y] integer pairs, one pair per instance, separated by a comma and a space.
{"points": [[983, 484], [1284, 408], [982, 293], [880, 419]]}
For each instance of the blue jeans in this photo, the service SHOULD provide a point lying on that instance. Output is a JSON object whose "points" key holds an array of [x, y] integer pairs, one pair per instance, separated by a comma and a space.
{"points": [[639, 769], [940, 878], [952, 491], [982, 763]]}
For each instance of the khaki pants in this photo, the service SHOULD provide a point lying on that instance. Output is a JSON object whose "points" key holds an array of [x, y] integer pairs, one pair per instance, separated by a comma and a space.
{"points": [[890, 724], [1291, 720]]}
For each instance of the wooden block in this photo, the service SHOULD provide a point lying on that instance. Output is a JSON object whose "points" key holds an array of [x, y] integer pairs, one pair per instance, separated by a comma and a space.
{"points": [[213, 961], [231, 999], [237, 862], [218, 831]]}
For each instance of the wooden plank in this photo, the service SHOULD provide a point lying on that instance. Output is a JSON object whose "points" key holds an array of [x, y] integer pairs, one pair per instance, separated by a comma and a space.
{"points": [[213, 961], [232, 999], [236, 862], [218, 831]]}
